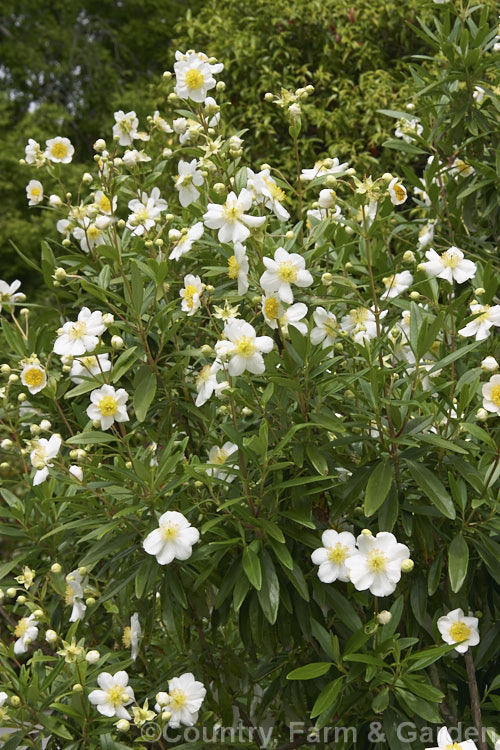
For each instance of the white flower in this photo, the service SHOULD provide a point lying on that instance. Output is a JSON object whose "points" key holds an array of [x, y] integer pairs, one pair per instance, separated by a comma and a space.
{"points": [[33, 153], [376, 565], [103, 204], [324, 168], [108, 406], [230, 218], [34, 192], [25, 630], [41, 457], [326, 328], [218, 457], [326, 198], [286, 269], [9, 294], [191, 293], [479, 94], [455, 627], [113, 696], [450, 265], [238, 267], [266, 189], [74, 595], [397, 192], [293, 316], [185, 696], [407, 127], [186, 240], [144, 211], [243, 348], [460, 168], [332, 555], [64, 226], [33, 377], [82, 336], [491, 395], [361, 324], [272, 309], [132, 157], [444, 739], [211, 112], [188, 179], [486, 318], [76, 471], [206, 382], [193, 78], [3, 698], [173, 539], [91, 234], [161, 123], [396, 284], [89, 366], [125, 127], [131, 636], [426, 235], [59, 150], [489, 364]]}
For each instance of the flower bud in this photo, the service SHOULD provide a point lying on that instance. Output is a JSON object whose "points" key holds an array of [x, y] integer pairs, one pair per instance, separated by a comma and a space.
{"points": [[489, 364], [45, 425], [407, 565], [87, 178], [421, 267], [117, 342], [123, 725], [162, 698], [82, 570], [55, 568], [99, 145], [414, 295], [481, 414], [51, 636], [21, 599], [77, 688], [327, 279], [166, 715], [5, 369], [206, 350], [66, 243], [479, 291], [22, 397], [55, 201], [409, 257], [13, 378], [221, 86], [6, 444], [348, 266], [93, 657], [11, 592], [90, 601], [219, 188], [167, 75], [366, 532], [384, 617], [387, 176], [108, 319], [410, 107], [15, 701]]}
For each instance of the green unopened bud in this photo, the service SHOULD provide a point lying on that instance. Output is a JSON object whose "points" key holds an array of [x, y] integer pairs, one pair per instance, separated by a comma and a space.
{"points": [[51, 636], [166, 715], [407, 565], [219, 188], [11, 592], [82, 570], [123, 725], [206, 350], [77, 688], [5, 369], [348, 266], [55, 568], [331, 181], [414, 296], [93, 657], [327, 279], [221, 86], [366, 532], [481, 415], [13, 378], [90, 601], [21, 599], [99, 145], [387, 176], [167, 75], [117, 342], [479, 291], [15, 701], [290, 235], [409, 257]]}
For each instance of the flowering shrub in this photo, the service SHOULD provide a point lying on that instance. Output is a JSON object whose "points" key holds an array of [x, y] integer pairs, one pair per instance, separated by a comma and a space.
{"points": [[251, 450]]}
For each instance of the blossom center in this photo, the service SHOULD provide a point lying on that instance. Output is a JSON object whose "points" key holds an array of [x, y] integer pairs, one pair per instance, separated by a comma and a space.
{"points": [[233, 267], [169, 532], [194, 79], [69, 594], [451, 259], [21, 627], [287, 272], [204, 375], [399, 191], [189, 293], [34, 377], [459, 631], [271, 308], [59, 150], [377, 561], [78, 330], [276, 192], [89, 362], [93, 232], [232, 213], [108, 406], [219, 456], [330, 327], [389, 281], [115, 695], [359, 315], [127, 636], [35, 191], [495, 395], [105, 204], [337, 554], [453, 746], [177, 700], [245, 347], [142, 216]]}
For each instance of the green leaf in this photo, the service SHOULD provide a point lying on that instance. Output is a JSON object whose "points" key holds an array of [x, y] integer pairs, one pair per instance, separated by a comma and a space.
{"points": [[381, 701], [91, 438], [418, 706], [309, 671], [145, 389], [327, 697], [251, 566], [269, 594], [378, 486], [458, 561], [433, 488]]}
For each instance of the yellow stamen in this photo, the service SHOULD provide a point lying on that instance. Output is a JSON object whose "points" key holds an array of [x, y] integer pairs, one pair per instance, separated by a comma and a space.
{"points": [[271, 308], [495, 395], [287, 272], [194, 79], [177, 699], [377, 561], [77, 330], [105, 204], [21, 627], [233, 267], [116, 696], [188, 295], [169, 532], [245, 347], [451, 259], [127, 637], [337, 554], [34, 377], [108, 406], [59, 150]]}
